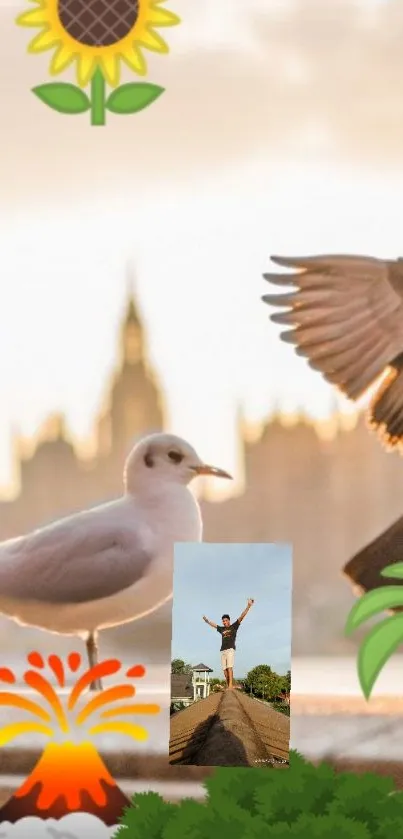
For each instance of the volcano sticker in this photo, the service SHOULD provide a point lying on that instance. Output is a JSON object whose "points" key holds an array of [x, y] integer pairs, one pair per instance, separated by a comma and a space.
{"points": [[70, 777]]}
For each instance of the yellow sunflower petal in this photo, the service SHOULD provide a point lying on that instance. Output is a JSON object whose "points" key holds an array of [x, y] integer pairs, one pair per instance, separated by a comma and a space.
{"points": [[136, 61], [111, 69], [153, 41], [85, 69], [61, 59], [43, 41], [35, 17], [44, 14], [162, 17]]}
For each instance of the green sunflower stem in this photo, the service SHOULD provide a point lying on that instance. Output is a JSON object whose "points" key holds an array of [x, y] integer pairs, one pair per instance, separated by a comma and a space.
{"points": [[98, 98]]}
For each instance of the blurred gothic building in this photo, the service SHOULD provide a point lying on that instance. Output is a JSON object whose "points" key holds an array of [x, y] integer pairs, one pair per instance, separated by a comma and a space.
{"points": [[326, 494], [133, 406]]}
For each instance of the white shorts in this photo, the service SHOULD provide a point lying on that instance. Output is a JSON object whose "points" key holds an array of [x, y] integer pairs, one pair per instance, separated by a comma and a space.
{"points": [[227, 659]]}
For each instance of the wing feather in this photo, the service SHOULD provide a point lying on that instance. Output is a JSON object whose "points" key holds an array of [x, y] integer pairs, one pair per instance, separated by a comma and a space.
{"points": [[346, 315], [78, 559]]}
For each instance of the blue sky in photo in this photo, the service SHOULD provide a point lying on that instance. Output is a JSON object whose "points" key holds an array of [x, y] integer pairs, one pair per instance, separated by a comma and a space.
{"points": [[211, 579]]}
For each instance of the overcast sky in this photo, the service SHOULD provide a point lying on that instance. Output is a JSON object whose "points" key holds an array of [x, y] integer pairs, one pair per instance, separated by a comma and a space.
{"points": [[214, 579], [287, 75], [281, 130]]}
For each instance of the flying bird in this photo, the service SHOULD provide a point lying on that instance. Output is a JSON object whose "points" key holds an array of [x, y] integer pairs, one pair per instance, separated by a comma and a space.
{"points": [[114, 563], [346, 318]]}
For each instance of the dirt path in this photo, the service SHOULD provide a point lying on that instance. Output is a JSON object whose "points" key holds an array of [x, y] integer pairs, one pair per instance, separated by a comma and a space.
{"points": [[229, 730], [232, 739], [272, 726]]}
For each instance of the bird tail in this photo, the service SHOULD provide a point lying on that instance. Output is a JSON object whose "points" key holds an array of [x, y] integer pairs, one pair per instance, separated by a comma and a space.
{"points": [[385, 414]]}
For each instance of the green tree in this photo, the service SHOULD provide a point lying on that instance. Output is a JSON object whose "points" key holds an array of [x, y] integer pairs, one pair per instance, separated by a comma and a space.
{"points": [[176, 706], [253, 678], [303, 801], [386, 636], [287, 681], [179, 667], [269, 686]]}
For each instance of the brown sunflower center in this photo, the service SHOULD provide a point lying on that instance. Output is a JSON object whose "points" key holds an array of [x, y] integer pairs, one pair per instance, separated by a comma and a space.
{"points": [[98, 23]]}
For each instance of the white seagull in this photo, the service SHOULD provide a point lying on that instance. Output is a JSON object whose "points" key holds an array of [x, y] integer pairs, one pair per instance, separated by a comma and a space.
{"points": [[114, 563]]}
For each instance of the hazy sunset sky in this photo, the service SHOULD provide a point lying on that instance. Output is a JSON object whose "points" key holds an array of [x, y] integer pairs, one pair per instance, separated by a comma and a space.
{"points": [[281, 131]]}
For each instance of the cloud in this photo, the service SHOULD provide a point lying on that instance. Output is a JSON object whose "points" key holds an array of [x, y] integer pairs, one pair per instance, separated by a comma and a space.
{"points": [[73, 826], [308, 78], [350, 80]]}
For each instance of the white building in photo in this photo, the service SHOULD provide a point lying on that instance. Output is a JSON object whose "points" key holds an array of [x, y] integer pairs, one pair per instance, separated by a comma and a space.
{"points": [[201, 681]]}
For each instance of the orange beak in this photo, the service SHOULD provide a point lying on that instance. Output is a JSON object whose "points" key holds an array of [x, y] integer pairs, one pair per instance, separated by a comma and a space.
{"points": [[203, 469]]}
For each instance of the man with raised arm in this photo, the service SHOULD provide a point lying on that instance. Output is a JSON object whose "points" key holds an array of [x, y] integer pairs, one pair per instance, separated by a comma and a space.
{"points": [[228, 633]]}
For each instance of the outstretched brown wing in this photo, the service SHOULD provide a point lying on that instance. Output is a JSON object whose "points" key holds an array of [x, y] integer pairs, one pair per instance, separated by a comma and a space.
{"points": [[346, 315]]}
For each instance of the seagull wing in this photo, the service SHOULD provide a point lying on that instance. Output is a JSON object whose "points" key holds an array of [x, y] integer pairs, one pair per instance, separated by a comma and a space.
{"points": [[346, 315], [82, 558]]}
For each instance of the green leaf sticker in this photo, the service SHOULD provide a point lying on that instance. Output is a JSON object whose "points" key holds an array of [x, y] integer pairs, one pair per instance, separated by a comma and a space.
{"points": [[372, 603], [376, 649], [395, 570], [133, 97], [65, 98]]}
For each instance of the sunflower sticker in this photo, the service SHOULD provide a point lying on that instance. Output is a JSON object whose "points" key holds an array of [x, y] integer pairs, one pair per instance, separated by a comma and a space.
{"points": [[98, 35]]}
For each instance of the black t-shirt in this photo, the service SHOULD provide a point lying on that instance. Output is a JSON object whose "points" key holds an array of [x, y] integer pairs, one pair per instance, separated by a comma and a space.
{"points": [[228, 635]]}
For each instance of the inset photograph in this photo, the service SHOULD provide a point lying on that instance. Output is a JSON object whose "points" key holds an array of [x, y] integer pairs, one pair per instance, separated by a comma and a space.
{"points": [[231, 655]]}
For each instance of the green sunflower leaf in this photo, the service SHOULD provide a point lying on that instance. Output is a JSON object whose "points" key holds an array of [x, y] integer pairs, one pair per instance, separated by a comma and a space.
{"points": [[373, 602], [133, 97], [395, 570], [380, 643], [65, 98]]}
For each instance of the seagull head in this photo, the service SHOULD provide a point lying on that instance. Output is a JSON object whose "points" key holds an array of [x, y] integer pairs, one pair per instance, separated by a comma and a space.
{"points": [[168, 458]]}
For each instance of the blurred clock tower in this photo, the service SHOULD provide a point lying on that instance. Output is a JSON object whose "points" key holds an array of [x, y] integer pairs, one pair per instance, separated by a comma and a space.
{"points": [[135, 403]]}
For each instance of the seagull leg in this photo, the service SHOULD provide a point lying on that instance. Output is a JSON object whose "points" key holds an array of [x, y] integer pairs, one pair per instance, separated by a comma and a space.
{"points": [[92, 652]]}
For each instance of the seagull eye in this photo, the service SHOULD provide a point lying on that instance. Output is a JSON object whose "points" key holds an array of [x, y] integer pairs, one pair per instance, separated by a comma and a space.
{"points": [[176, 457], [148, 460]]}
